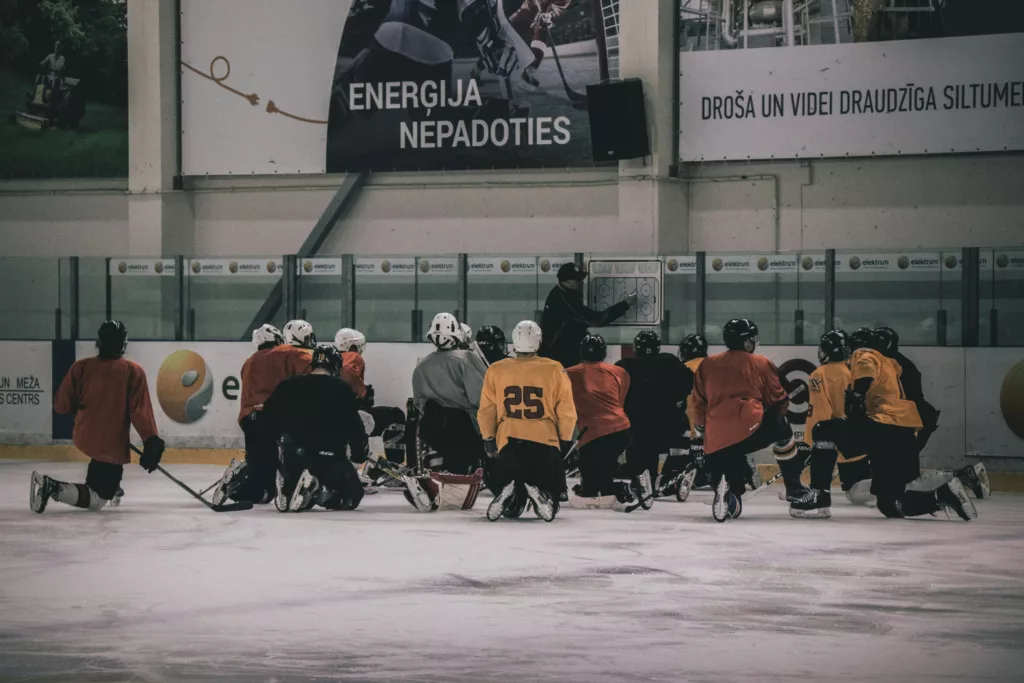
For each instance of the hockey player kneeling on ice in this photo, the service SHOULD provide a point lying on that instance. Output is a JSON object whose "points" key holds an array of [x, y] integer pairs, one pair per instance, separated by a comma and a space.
{"points": [[740, 407], [882, 424], [526, 413], [273, 362], [106, 394], [599, 392], [446, 388], [827, 388], [692, 351], [317, 422], [659, 385]]}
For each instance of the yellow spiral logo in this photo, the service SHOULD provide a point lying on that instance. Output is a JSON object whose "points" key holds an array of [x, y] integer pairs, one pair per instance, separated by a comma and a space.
{"points": [[184, 386], [1011, 399]]}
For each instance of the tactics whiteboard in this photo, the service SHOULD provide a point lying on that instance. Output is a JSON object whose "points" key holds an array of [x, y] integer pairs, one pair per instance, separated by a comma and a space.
{"points": [[612, 281]]}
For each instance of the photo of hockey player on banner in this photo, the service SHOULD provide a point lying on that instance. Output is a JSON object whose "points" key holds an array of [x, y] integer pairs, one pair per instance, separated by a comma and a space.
{"points": [[456, 84]]}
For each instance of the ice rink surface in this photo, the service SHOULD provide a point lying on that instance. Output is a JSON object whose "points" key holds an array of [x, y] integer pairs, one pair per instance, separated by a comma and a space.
{"points": [[162, 589]]}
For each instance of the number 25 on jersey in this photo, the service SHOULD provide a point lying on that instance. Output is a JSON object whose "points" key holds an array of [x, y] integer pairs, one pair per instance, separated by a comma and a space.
{"points": [[527, 397]]}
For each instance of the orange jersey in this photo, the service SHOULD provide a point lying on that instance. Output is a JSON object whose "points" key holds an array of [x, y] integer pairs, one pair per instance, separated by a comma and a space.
{"points": [[886, 403], [599, 393], [529, 399], [731, 392], [106, 396], [353, 371], [264, 370], [693, 364]]}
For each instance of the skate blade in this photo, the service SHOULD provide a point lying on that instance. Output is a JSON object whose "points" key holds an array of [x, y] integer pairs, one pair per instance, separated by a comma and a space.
{"points": [[820, 513]]}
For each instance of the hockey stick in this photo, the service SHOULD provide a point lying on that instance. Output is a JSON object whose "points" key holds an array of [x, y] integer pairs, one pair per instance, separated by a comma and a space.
{"points": [[575, 444], [209, 488], [232, 507], [579, 100]]}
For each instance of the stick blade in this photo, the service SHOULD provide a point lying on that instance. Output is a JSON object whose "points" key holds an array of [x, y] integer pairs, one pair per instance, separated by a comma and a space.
{"points": [[232, 507]]}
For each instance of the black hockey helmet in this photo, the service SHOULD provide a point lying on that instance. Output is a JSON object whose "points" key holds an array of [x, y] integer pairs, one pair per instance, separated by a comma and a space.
{"points": [[737, 332], [888, 340], [693, 346], [593, 348], [491, 340], [834, 347], [112, 339], [646, 344], [864, 338], [326, 358]]}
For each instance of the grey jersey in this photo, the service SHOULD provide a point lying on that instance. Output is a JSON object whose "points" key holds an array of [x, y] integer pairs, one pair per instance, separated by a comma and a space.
{"points": [[452, 379]]}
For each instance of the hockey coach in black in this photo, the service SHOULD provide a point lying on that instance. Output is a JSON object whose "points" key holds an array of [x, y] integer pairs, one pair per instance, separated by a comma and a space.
{"points": [[566, 318]]}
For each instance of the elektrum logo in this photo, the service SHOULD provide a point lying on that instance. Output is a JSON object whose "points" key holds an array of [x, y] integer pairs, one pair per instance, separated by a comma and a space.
{"points": [[184, 386]]}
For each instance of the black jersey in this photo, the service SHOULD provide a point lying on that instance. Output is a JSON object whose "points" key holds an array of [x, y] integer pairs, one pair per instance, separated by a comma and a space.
{"points": [[319, 412], [658, 388]]}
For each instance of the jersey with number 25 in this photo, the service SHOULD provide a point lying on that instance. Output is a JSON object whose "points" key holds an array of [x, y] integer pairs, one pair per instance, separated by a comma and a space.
{"points": [[527, 398]]}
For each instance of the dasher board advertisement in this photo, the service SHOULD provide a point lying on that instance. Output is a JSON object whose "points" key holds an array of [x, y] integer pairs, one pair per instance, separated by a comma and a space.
{"points": [[26, 392], [351, 85], [796, 94]]}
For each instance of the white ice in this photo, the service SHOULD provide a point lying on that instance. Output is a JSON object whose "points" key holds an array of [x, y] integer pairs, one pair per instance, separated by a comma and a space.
{"points": [[162, 589]]}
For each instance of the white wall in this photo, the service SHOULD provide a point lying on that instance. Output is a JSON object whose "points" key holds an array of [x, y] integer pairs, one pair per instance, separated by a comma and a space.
{"points": [[884, 203], [47, 219]]}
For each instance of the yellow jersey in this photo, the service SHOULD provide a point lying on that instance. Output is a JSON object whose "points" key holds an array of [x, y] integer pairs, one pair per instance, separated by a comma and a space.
{"points": [[886, 402], [527, 398], [693, 364], [827, 388]]}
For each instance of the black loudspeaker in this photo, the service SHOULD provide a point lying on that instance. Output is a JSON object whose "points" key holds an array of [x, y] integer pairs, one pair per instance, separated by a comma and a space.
{"points": [[618, 120]]}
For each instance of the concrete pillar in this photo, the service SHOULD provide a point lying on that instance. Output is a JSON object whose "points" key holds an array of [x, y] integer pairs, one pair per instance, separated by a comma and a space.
{"points": [[652, 205], [160, 220]]}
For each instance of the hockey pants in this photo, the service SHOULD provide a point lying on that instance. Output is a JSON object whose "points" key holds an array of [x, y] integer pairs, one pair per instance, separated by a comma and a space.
{"points": [[530, 462], [340, 488], [599, 461], [451, 432], [731, 462]]}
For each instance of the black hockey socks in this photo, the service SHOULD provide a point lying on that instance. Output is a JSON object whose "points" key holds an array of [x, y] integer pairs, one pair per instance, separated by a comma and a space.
{"points": [[791, 459], [823, 462]]}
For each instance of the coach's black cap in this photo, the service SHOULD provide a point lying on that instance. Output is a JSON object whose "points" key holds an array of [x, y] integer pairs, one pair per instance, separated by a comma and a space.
{"points": [[570, 271]]}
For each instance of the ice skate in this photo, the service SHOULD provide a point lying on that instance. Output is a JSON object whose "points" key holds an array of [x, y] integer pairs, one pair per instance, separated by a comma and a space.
{"points": [[644, 491], [229, 481], [720, 505], [685, 484], [419, 497], [497, 506], [116, 500], [814, 504], [303, 496], [543, 504], [860, 494], [735, 506], [282, 496], [953, 496], [41, 490], [975, 478]]}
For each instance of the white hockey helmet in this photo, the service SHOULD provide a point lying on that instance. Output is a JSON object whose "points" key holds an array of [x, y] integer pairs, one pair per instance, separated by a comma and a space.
{"points": [[445, 332], [346, 338], [466, 332], [267, 334], [526, 337], [300, 333]]}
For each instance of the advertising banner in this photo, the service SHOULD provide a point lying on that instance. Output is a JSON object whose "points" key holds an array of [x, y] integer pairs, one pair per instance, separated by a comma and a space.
{"points": [[319, 266], [26, 392], [753, 264], [438, 266], [384, 265], [350, 85], [995, 401], [681, 265], [236, 267], [157, 267], [549, 265], [502, 265], [863, 78], [64, 89]]}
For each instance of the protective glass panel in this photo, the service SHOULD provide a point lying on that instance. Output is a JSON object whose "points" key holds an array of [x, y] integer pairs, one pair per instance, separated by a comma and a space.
{"points": [[385, 297], [761, 287], [144, 296], [31, 298], [1008, 297], [226, 294], [502, 290], [322, 299]]}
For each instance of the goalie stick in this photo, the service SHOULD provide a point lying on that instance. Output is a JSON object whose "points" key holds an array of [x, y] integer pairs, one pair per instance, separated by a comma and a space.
{"points": [[571, 468], [231, 507]]}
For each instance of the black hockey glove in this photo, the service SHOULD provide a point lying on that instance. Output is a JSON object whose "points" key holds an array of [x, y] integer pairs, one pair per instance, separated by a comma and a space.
{"points": [[152, 451], [367, 401], [491, 448], [697, 447], [855, 405]]}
